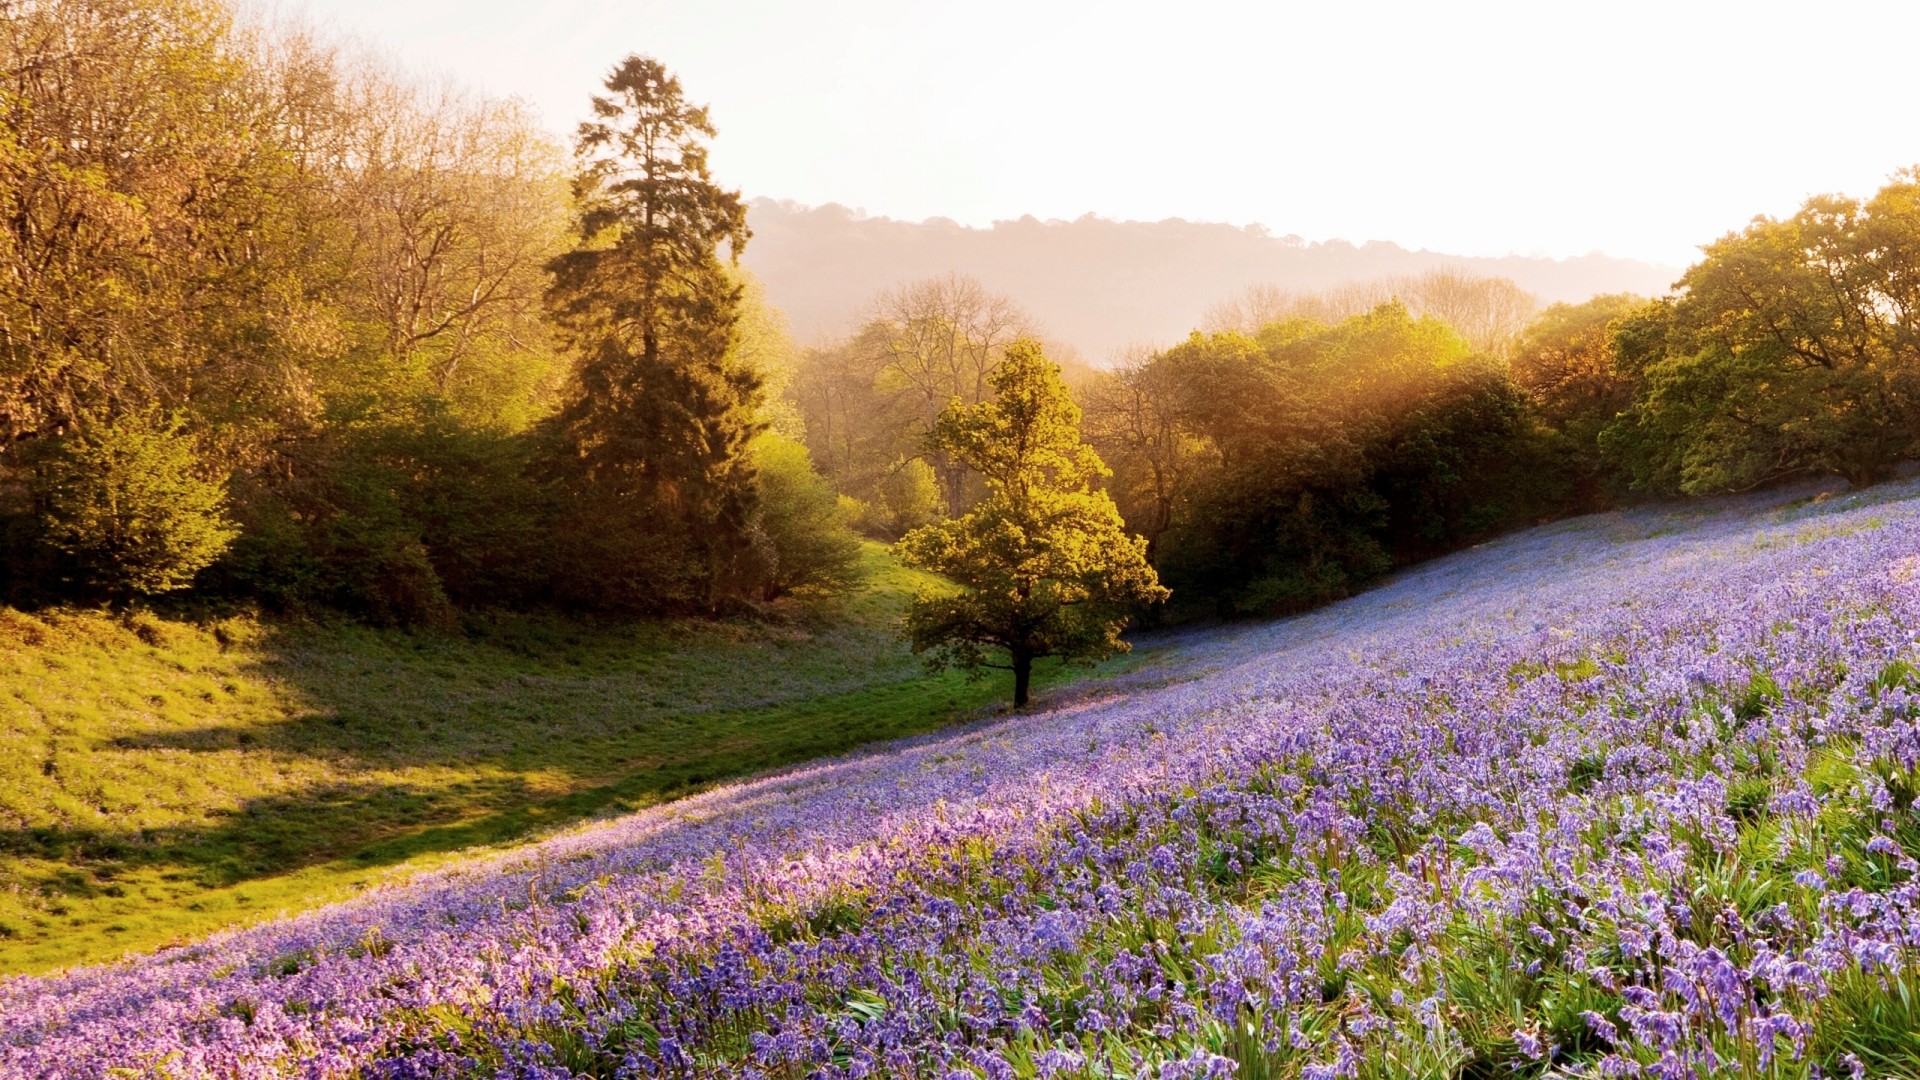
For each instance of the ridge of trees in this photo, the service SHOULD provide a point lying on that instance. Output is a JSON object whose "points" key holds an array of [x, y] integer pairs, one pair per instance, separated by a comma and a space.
{"points": [[1305, 443], [1489, 312], [280, 325], [1105, 285]]}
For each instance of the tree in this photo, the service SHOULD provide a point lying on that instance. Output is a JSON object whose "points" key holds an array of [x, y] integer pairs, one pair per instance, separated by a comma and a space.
{"points": [[145, 210], [455, 206], [1283, 470], [1568, 361], [1565, 361], [661, 413], [908, 498], [868, 402], [1137, 420], [1489, 312], [813, 547], [1043, 564], [129, 504], [941, 340], [1792, 347], [288, 250]]}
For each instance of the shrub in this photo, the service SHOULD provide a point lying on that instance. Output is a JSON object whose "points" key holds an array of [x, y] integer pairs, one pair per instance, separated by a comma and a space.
{"points": [[904, 500], [395, 519], [801, 517], [130, 505]]}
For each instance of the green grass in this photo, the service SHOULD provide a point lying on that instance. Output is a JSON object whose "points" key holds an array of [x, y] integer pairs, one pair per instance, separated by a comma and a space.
{"points": [[160, 780]]}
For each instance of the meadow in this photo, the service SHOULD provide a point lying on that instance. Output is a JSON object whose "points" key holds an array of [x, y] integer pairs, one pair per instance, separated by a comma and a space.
{"points": [[163, 778], [1629, 795]]}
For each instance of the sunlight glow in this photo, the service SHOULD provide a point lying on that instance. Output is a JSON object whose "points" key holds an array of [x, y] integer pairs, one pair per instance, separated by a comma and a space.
{"points": [[1640, 129]]}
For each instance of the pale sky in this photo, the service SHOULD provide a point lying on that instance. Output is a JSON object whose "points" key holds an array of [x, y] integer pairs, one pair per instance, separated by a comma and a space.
{"points": [[1639, 129]]}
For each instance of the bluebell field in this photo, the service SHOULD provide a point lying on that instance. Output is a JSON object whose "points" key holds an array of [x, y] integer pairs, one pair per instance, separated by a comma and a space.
{"points": [[1627, 796]]}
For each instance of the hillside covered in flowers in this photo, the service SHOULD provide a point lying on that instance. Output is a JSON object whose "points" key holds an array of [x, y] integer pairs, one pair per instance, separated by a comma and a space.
{"points": [[1628, 795]]}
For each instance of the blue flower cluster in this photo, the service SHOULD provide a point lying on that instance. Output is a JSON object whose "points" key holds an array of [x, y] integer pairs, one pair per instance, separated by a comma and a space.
{"points": [[1628, 796]]}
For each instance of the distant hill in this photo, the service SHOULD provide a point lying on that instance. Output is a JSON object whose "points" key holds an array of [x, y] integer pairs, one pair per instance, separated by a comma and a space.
{"points": [[1102, 285]]}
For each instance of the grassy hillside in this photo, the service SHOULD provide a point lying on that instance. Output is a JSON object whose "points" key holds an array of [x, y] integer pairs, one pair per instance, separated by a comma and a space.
{"points": [[159, 779], [1632, 795]]}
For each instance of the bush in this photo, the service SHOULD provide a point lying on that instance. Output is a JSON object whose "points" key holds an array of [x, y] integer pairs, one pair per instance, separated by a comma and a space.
{"points": [[396, 519], [622, 556], [801, 517], [904, 500], [129, 505]]}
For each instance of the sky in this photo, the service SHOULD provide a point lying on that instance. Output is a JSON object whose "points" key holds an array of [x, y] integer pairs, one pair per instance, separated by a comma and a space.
{"points": [[1554, 127]]}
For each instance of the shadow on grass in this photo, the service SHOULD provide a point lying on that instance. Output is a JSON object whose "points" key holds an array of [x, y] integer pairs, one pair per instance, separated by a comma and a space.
{"points": [[482, 792], [434, 747], [373, 824]]}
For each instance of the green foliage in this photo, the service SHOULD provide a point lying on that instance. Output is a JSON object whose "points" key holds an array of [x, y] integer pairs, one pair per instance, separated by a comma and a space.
{"points": [[1043, 564], [129, 502], [654, 432], [1570, 362], [813, 547], [301, 258], [438, 379], [868, 402], [1786, 351], [1286, 470], [397, 518], [1566, 361], [905, 499], [143, 200]]}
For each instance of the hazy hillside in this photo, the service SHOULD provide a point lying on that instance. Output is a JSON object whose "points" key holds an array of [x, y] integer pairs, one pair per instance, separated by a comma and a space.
{"points": [[1102, 285]]}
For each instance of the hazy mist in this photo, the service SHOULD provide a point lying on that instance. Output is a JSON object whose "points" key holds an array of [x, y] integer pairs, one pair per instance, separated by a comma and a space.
{"points": [[1102, 286]]}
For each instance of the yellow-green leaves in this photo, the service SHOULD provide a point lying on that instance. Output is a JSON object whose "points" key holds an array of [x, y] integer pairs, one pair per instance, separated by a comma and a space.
{"points": [[1044, 565], [129, 504]]}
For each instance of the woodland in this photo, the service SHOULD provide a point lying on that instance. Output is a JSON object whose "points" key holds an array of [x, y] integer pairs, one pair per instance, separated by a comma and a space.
{"points": [[281, 328], [450, 626]]}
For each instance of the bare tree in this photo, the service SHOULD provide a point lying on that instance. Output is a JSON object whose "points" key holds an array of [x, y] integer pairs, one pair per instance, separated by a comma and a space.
{"points": [[1133, 417], [1489, 312], [937, 341], [457, 203]]}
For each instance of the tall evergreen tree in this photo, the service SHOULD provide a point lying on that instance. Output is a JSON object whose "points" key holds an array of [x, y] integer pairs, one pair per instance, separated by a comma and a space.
{"points": [[660, 416]]}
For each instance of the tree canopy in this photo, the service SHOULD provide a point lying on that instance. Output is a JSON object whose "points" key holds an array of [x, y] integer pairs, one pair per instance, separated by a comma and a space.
{"points": [[129, 505], [658, 421], [1792, 347], [1286, 468], [413, 364], [279, 323], [1042, 563]]}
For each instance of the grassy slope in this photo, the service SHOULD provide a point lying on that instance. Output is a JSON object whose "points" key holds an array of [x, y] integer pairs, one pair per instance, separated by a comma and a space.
{"points": [[161, 780]]}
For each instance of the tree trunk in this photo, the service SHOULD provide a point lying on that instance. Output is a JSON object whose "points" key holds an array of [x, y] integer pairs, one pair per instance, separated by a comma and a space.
{"points": [[1022, 678]]}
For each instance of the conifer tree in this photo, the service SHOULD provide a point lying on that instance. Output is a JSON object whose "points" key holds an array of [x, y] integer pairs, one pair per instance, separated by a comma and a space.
{"points": [[660, 417], [1043, 563]]}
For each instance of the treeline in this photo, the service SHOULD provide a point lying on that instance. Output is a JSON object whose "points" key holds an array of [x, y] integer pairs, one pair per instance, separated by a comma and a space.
{"points": [[278, 324], [1308, 442], [1105, 285], [1281, 467]]}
